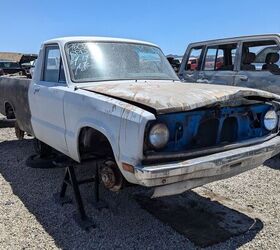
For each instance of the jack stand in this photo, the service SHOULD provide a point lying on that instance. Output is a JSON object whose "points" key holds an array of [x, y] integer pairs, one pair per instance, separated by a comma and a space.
{"points": [[70, 179]]}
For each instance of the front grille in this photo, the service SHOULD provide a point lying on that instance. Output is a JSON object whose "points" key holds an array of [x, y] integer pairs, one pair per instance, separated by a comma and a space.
{"points": [[207, 133], [229, 130], [213, 127], [212, 132]]}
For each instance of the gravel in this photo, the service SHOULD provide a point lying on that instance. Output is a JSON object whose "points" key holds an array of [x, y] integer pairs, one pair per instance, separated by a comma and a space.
{"points": [[30, 219]]}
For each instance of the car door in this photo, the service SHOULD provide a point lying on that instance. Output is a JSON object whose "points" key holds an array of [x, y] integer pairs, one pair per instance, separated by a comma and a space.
{"points": [[218, 66], [47, 101], [256, 69], [191, 64]]}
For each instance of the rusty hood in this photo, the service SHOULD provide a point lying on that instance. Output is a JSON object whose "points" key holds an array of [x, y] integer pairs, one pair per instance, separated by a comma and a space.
{"points": [[167, 97]]}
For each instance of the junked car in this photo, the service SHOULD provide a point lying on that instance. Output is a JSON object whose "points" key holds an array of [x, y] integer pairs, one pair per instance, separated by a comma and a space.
{"points": [[248, 61], [16, 63], [175, 62], [120, 100]]}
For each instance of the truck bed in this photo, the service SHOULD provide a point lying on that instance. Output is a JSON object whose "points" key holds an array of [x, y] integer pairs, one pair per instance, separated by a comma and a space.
{"points": [[14, 91]]}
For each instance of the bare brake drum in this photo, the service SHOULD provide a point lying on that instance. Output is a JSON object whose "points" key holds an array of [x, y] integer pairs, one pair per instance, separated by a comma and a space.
{"points": [[111, 176]]}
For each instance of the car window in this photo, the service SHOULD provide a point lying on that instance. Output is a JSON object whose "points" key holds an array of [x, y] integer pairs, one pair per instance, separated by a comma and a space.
{"points": [[7, 65], [61, 73], [221, 57], [210, 59], [260, 56], [53, 66], [194, 57]]}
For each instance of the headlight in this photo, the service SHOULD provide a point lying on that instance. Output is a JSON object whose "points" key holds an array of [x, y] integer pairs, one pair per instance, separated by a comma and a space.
{"points": [[159, 135], [270, 120]]}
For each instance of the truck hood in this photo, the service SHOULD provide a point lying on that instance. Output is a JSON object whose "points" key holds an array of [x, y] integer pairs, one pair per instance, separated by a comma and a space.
{"points": [[167, 97]]}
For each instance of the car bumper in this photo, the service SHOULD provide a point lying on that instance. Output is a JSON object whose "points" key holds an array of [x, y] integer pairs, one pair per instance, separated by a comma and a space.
{"points": [[177, 177]]}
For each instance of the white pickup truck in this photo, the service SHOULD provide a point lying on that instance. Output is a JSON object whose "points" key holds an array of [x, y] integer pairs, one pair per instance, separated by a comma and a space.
{"points": [[120, 100]]}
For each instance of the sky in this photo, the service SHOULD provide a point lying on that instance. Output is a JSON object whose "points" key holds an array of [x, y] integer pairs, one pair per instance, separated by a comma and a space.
{"points": [[172, 25]]}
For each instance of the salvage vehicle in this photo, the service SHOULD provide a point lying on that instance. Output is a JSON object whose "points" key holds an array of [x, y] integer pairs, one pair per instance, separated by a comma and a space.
{"points": [[16, 63], [175, 62], [192, 63], [248, 61], [120, 100]]}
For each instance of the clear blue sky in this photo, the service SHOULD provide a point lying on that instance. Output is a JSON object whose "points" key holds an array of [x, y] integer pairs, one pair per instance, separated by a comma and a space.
{"points": [[170, 24]]}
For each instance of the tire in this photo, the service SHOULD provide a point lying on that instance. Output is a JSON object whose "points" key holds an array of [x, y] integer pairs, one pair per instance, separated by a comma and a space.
{"points": [[19, 133], [9, 112], [42, 149], [35, 161]]}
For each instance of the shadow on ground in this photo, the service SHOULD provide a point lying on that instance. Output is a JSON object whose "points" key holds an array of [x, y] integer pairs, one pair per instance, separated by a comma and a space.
{"points": [[200, 221], [273, 162]]}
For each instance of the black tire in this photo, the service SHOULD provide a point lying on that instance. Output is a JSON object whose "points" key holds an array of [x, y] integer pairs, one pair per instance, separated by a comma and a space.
{"points": [[42, 149], [9, 112], [35, 161]]}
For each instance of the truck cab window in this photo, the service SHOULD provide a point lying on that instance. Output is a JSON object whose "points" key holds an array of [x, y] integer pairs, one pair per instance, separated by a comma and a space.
{"points": [[194, 58], [220, 57], [53, 68], [61, 73]]}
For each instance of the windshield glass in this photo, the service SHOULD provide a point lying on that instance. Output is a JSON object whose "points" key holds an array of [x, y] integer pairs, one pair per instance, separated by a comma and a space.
{"points": [[104, 61]]}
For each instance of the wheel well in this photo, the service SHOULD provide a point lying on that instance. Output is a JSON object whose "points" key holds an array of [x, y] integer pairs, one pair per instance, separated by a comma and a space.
{"points": [[92, 143]]}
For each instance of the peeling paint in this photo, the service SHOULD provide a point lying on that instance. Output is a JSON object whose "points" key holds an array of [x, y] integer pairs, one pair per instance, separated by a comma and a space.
{"points": [[166, 97]]}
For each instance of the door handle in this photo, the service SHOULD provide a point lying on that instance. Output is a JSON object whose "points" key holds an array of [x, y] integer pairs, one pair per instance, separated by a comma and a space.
{"points": [[36, 90], [243, 78]]}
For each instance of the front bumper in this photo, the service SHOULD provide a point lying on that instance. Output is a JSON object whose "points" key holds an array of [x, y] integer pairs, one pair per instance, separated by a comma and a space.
{"points": [[177, 177]]}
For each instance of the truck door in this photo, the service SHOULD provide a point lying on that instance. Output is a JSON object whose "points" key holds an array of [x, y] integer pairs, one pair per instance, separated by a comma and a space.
{"points": [[46, 100], [219, 65], [259, 65], [191, 64]]}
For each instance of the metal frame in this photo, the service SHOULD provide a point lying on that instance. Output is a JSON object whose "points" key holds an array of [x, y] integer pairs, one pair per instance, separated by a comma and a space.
{"points": [[70, 179]]}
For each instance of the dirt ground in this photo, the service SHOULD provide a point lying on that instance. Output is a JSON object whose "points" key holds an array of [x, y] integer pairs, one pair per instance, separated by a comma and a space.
{"points": [[240, 212]]}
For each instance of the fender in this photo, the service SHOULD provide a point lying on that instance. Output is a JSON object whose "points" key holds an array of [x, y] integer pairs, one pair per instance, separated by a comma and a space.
{"points": [[72, 138]]}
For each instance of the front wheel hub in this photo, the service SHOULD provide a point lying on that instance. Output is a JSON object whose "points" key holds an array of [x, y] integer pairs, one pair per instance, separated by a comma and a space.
{"points": [[111, 176]]}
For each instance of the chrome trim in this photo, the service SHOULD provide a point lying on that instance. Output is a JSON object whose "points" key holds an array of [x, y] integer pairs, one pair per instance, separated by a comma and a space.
{"points": [[209, 168]]}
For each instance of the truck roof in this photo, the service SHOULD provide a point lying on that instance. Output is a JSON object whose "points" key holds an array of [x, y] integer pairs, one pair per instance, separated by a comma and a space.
{"points": [[63, 40], [229, 39]]}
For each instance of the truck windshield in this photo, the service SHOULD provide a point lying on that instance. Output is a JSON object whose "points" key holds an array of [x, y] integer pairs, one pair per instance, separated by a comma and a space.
{"points": [[105, 61]]}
